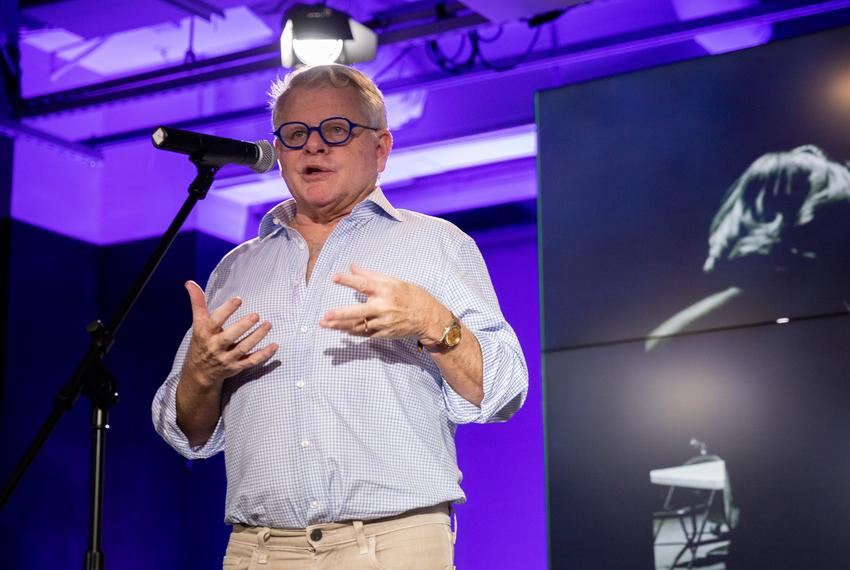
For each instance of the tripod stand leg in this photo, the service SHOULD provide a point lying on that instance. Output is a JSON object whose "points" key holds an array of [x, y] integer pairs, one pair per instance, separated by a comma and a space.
{"points": [[94, 555]]}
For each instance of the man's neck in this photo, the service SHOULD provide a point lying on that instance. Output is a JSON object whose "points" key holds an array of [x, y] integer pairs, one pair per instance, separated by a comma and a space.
{"points": [[312, 219], [316, 224], [315, 232]]}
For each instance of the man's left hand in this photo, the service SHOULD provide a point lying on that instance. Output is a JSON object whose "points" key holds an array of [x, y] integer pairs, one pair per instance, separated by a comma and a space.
{"points": [[393, 309]]}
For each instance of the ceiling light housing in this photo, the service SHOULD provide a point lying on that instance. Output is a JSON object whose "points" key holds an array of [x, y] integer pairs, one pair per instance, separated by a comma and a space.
{"points": [[314, 34]]}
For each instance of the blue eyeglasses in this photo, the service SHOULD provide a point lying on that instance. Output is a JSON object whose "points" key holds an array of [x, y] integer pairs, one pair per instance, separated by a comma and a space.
{"points": [[334, 131]]}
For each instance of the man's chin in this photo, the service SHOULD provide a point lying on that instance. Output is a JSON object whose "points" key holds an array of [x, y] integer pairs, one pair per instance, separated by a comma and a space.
{"points": [[318, 197], [319, 191], [326, 195]]}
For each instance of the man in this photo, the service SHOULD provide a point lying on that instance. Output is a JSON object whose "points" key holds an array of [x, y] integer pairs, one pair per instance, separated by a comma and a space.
{"points": [[383, 333]]}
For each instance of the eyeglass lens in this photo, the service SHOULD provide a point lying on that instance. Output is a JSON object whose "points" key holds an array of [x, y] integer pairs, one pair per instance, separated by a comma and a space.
{"points": [[332, 131]]}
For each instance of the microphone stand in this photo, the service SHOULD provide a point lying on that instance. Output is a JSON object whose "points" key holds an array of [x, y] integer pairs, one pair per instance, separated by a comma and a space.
{"points": [[93, 379]]}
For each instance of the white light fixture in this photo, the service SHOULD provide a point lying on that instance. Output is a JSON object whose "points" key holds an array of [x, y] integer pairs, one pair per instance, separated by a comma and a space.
{"points": [[316, 34], [317, 52]]}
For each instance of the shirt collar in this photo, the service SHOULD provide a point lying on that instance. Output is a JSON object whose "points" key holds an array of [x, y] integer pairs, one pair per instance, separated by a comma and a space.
{"points": [[283, 213], [377, 198]]}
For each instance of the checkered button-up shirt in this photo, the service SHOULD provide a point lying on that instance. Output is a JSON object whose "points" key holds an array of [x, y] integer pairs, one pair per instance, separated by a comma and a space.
{"points": [[336, 427]]}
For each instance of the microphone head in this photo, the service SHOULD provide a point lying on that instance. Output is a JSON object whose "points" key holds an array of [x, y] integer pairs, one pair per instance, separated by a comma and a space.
{"points": [[158, 137], [267, 157]]}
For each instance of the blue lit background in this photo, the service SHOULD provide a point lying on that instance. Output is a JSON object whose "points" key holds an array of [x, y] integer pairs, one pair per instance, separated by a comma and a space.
{"points": [[84, 194]]}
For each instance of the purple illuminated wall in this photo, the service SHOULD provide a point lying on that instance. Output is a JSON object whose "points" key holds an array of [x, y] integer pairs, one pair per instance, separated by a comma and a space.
{"points": [[6, 150], [504, 523]]}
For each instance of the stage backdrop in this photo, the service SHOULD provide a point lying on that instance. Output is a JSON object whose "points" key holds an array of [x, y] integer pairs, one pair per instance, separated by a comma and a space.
{"points": [[695, 241]]}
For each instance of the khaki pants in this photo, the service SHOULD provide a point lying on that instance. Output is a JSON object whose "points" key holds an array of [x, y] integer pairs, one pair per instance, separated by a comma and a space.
{"points": [[417, 540]]}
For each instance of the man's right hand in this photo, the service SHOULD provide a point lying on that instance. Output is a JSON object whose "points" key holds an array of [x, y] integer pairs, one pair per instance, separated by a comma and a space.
{"points": [[215, 354]]}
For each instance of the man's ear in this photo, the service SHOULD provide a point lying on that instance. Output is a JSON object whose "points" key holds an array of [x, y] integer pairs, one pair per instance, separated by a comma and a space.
{"points": [[383, 148]]}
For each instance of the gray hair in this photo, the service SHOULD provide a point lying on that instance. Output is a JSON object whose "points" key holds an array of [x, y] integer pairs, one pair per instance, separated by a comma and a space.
{"points": [[778, 191], [368, 95]]}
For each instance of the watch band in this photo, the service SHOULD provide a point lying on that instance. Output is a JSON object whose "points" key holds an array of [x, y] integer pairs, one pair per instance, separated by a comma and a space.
{"points": [[450, 339]]}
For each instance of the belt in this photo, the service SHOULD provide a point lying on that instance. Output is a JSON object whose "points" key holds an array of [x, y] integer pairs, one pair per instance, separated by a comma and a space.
{"points": [[443, 508]]}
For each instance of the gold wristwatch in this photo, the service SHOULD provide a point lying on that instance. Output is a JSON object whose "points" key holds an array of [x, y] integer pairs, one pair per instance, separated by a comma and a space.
{"points": [[450, 339], [451, 335]]}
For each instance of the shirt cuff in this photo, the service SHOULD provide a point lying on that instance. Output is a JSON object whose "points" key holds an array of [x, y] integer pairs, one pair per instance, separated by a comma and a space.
{"points": [[166, 425], [461, 410]]}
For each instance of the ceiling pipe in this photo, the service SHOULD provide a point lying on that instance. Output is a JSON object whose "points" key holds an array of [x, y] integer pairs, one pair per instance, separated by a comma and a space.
{"points": [[667, 34]]}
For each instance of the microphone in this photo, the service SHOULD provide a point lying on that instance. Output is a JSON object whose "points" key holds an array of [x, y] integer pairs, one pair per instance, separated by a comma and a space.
{"points": [[218, 151]]}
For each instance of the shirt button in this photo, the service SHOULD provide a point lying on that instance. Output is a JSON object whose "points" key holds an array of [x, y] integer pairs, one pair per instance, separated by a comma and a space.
{"points": [[299, 384], [305, 443], [303, 329], [300, 245], [314, 504], [275, 221]]}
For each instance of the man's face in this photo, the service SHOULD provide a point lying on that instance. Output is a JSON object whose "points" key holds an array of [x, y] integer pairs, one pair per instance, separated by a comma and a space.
{"points": [[327, 181]]}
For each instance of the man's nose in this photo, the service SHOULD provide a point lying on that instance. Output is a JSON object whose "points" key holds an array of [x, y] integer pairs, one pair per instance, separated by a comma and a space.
{"points": [[315, 143]]}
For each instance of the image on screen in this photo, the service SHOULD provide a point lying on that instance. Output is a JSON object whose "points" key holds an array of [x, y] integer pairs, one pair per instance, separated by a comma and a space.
{"points": [[695, 243]]}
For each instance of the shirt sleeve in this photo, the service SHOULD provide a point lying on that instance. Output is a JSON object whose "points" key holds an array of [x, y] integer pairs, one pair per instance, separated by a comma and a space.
{"points": [[164, 413], [469, 294]]}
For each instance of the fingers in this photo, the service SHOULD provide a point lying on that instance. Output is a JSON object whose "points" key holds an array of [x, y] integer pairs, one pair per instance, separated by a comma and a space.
{"points": [[232, 333], [259, 357], [217, 362], [216, 353], [358, 327], [359, 283], [221, 314], [363, 280], [249, 342], [350, 312], [199, 303], [352, 325], [393, 309], [357, 270], [359, 320], [201, 317]]}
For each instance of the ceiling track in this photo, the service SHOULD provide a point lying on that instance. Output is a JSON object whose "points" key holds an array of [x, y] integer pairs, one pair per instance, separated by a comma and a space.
{"points": [[196, 8], [429, 19], [265, 58]]}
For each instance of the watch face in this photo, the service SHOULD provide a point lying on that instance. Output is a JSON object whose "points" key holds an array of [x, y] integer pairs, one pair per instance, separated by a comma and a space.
{"points": [[453, 335]]}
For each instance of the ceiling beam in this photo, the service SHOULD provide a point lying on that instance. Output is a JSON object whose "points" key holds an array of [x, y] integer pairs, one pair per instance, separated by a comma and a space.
{"points": [[82, 152], [197, 8], [438, 18], [266, 57]]}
